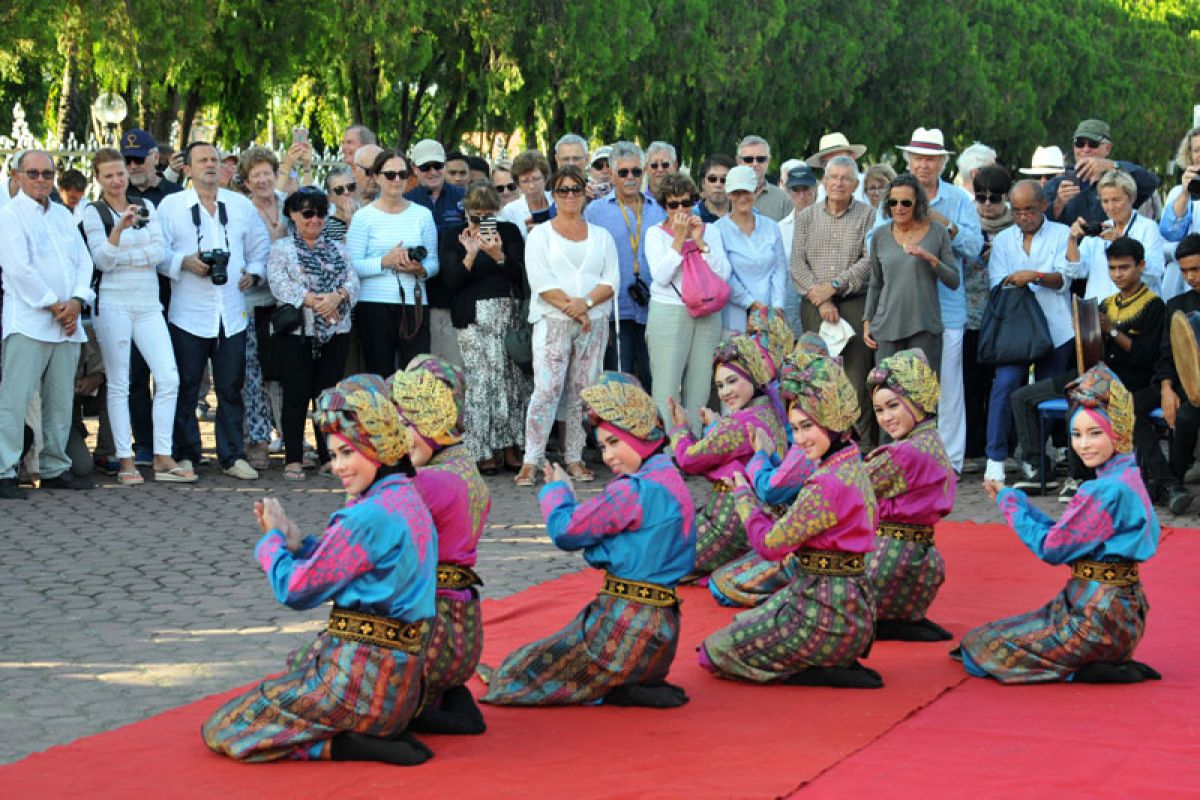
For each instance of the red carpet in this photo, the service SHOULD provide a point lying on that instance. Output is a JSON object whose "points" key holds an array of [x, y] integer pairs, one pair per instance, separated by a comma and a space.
{"points": [[931, 726]]}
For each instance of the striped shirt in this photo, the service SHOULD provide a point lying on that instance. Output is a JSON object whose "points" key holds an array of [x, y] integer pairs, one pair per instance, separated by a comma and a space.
{"points": [[372, 235]]}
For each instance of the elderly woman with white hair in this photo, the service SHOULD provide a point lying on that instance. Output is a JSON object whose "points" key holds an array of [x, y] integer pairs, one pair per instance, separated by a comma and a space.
{"points": [[970, 161], [1086, 248], [661, 161]]}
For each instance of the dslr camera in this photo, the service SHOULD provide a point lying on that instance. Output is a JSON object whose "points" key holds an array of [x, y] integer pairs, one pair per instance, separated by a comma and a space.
{"points": [[1092, 228], [417, 253], [218, 265], [141, 216], [1193, 188]]}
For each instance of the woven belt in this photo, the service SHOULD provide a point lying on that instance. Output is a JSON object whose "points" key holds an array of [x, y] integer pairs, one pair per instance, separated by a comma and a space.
{"points": [[721, 486], [920, 534], [1114, 573], [371, 629], [650, 594], [830, 562], [452, 576]]}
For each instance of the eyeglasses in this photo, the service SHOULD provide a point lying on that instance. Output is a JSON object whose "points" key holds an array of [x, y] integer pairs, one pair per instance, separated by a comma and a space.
{"points": [[877, 189], [1083, 141], [659, 165], [600, 163], [345, 188], [397, 175], [625, 172], [506, 187], [755, 159], [564, 191], [674, 204], [135, 159], [715, 178], [39, 174], [430, 166], [988, 197], [309, 213], [893, 202]]}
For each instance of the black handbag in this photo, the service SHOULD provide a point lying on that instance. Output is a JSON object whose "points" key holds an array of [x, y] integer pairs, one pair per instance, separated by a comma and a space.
{"points": [[1014, 329], [285, 319], [518, 342]]}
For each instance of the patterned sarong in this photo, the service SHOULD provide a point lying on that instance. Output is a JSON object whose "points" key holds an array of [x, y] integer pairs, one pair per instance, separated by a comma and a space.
{"points": [[720, 534], [455, 643], [750, 580], [906, 576]]}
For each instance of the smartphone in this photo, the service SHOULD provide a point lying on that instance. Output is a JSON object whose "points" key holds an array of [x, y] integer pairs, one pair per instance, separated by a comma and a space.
{"points": [[299, 134], [540, 216], [488, 225]]}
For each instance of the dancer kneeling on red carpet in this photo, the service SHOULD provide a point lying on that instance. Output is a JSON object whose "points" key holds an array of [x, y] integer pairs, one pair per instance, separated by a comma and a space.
{"points": [[352, 694], [813, 630], [641, 531], [914, 485], [1089, 632]]}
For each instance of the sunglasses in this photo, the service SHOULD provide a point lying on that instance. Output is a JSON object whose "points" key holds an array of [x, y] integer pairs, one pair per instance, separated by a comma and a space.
{"points": [[600, 163], [309, 213], [478, 219], [625, 172], [755, 159], [431, 166], [1083, 141], [988, 197], [564, 191], [506, 187], [674, 204], [715, 178], [659, 165], [135, 159], [397, 175], [893, 202], [346, 188], [39, 174]]}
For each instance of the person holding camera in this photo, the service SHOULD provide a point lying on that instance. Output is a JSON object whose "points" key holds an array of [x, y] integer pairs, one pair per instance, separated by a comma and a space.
{"points": [[311, 274], [217, 247], [573, 272], [483, 267], [393, 245], [1075, 193], [1181, 215], [1085, 256], [627, 213], [127, 247]]}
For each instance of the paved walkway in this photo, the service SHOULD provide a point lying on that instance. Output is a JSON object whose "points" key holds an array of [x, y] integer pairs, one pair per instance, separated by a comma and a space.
{"points": [[123, 602]]}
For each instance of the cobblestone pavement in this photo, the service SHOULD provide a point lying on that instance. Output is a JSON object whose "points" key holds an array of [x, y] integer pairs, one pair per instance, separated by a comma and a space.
{"points": [[123, 602]]}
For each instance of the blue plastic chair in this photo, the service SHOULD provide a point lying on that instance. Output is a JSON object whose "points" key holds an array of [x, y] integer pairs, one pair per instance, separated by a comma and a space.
{"points": [[1048, 411]]}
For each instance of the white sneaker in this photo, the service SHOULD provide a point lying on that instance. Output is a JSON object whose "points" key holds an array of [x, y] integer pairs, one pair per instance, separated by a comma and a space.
{"points": [[994, 471], [242, 471]]}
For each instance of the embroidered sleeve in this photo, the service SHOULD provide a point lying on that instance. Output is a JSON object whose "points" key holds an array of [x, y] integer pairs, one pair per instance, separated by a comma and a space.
{"points": [[725, 440], [1083, 526], [887, 476], [811, 513], [778, 484], [306, 580], [573, 526]]}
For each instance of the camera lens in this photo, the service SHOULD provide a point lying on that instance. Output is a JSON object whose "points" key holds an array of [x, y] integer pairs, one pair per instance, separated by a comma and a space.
{"points": [[1193, 188], [417, 253]]}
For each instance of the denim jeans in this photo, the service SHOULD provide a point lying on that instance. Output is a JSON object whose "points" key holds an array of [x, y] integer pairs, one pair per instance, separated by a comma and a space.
{"points": [[1010, 377], [228, 355]]}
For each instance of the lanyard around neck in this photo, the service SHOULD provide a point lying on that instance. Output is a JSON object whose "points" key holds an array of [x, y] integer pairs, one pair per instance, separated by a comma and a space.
{"points": [[635, 233]]}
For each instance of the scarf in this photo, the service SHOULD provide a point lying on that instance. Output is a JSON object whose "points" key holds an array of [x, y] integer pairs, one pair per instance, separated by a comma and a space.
{"points": [[324, 271]]}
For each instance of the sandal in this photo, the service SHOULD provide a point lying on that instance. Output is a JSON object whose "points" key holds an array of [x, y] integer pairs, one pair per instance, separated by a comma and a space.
{"points": [[130, 478], [512, 459], [579, 472], [488, 466], [294, 472], [526, 476], [175, 475]]}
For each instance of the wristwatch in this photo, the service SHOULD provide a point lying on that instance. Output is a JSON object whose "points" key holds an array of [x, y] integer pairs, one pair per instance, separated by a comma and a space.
{"points": [[836, 284], [588, 299], [1112, 332]]}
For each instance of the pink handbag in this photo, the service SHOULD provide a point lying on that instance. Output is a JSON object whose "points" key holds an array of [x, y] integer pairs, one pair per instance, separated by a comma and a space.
{"points": [[703, 290]]}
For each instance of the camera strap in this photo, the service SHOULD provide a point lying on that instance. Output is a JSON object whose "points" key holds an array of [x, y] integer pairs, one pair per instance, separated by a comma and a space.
{"points": [[408, 328], [222, 217], [634, 231]]}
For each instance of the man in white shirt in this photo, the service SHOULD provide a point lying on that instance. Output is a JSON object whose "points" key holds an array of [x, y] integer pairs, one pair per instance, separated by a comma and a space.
{"points": [[355, 137], [207, 317], [47, 274], [1030, 253]]}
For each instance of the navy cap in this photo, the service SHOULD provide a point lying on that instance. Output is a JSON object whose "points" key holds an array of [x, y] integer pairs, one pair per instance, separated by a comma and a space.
{"points": [[801, 176], [136, 142]]}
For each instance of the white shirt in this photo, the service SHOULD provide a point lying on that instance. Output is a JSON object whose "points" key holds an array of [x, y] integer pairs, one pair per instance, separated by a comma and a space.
{"points": [[787, 229], [43, 261], [1093, 261], [549, 266], [518, 211], [199, 306], [1047, 253], [130, 278], [666, 264]]}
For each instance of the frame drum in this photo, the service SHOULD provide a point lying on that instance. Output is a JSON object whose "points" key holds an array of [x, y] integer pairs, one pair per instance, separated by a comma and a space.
{"points": [[1089, 341], [1185, 326]]}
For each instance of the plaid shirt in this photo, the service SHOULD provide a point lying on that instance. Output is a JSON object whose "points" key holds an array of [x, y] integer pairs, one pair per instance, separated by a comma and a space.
{"points": [[826, 247]]}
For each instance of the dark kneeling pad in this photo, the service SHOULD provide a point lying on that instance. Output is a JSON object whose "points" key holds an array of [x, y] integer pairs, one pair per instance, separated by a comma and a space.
{"points": [[403, 751], [663, 695], [956, 654], [852, 677], [456, 714], [925, 630], [1109, 672]]}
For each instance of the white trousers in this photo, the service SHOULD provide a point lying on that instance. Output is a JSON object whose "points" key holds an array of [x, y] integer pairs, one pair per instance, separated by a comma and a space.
{"points": [[952, 408], [116, 330]]}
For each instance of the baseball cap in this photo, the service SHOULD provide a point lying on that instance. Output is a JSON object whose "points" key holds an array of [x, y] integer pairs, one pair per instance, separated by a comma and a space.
{"points": [[797, 176], [427, 151], [1093, 129], [137, 142], [741, 179]]}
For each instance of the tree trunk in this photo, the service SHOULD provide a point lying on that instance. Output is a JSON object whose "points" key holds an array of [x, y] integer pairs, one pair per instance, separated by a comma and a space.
{"points": [[190, 106], [66, 99]]}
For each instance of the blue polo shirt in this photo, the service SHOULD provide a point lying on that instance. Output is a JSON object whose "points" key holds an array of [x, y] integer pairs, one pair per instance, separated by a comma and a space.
{"points": [[606, 212]]}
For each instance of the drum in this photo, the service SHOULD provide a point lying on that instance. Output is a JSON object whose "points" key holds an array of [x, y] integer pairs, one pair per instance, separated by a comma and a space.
{"points": [[1185, 331], [1089, 341]]}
